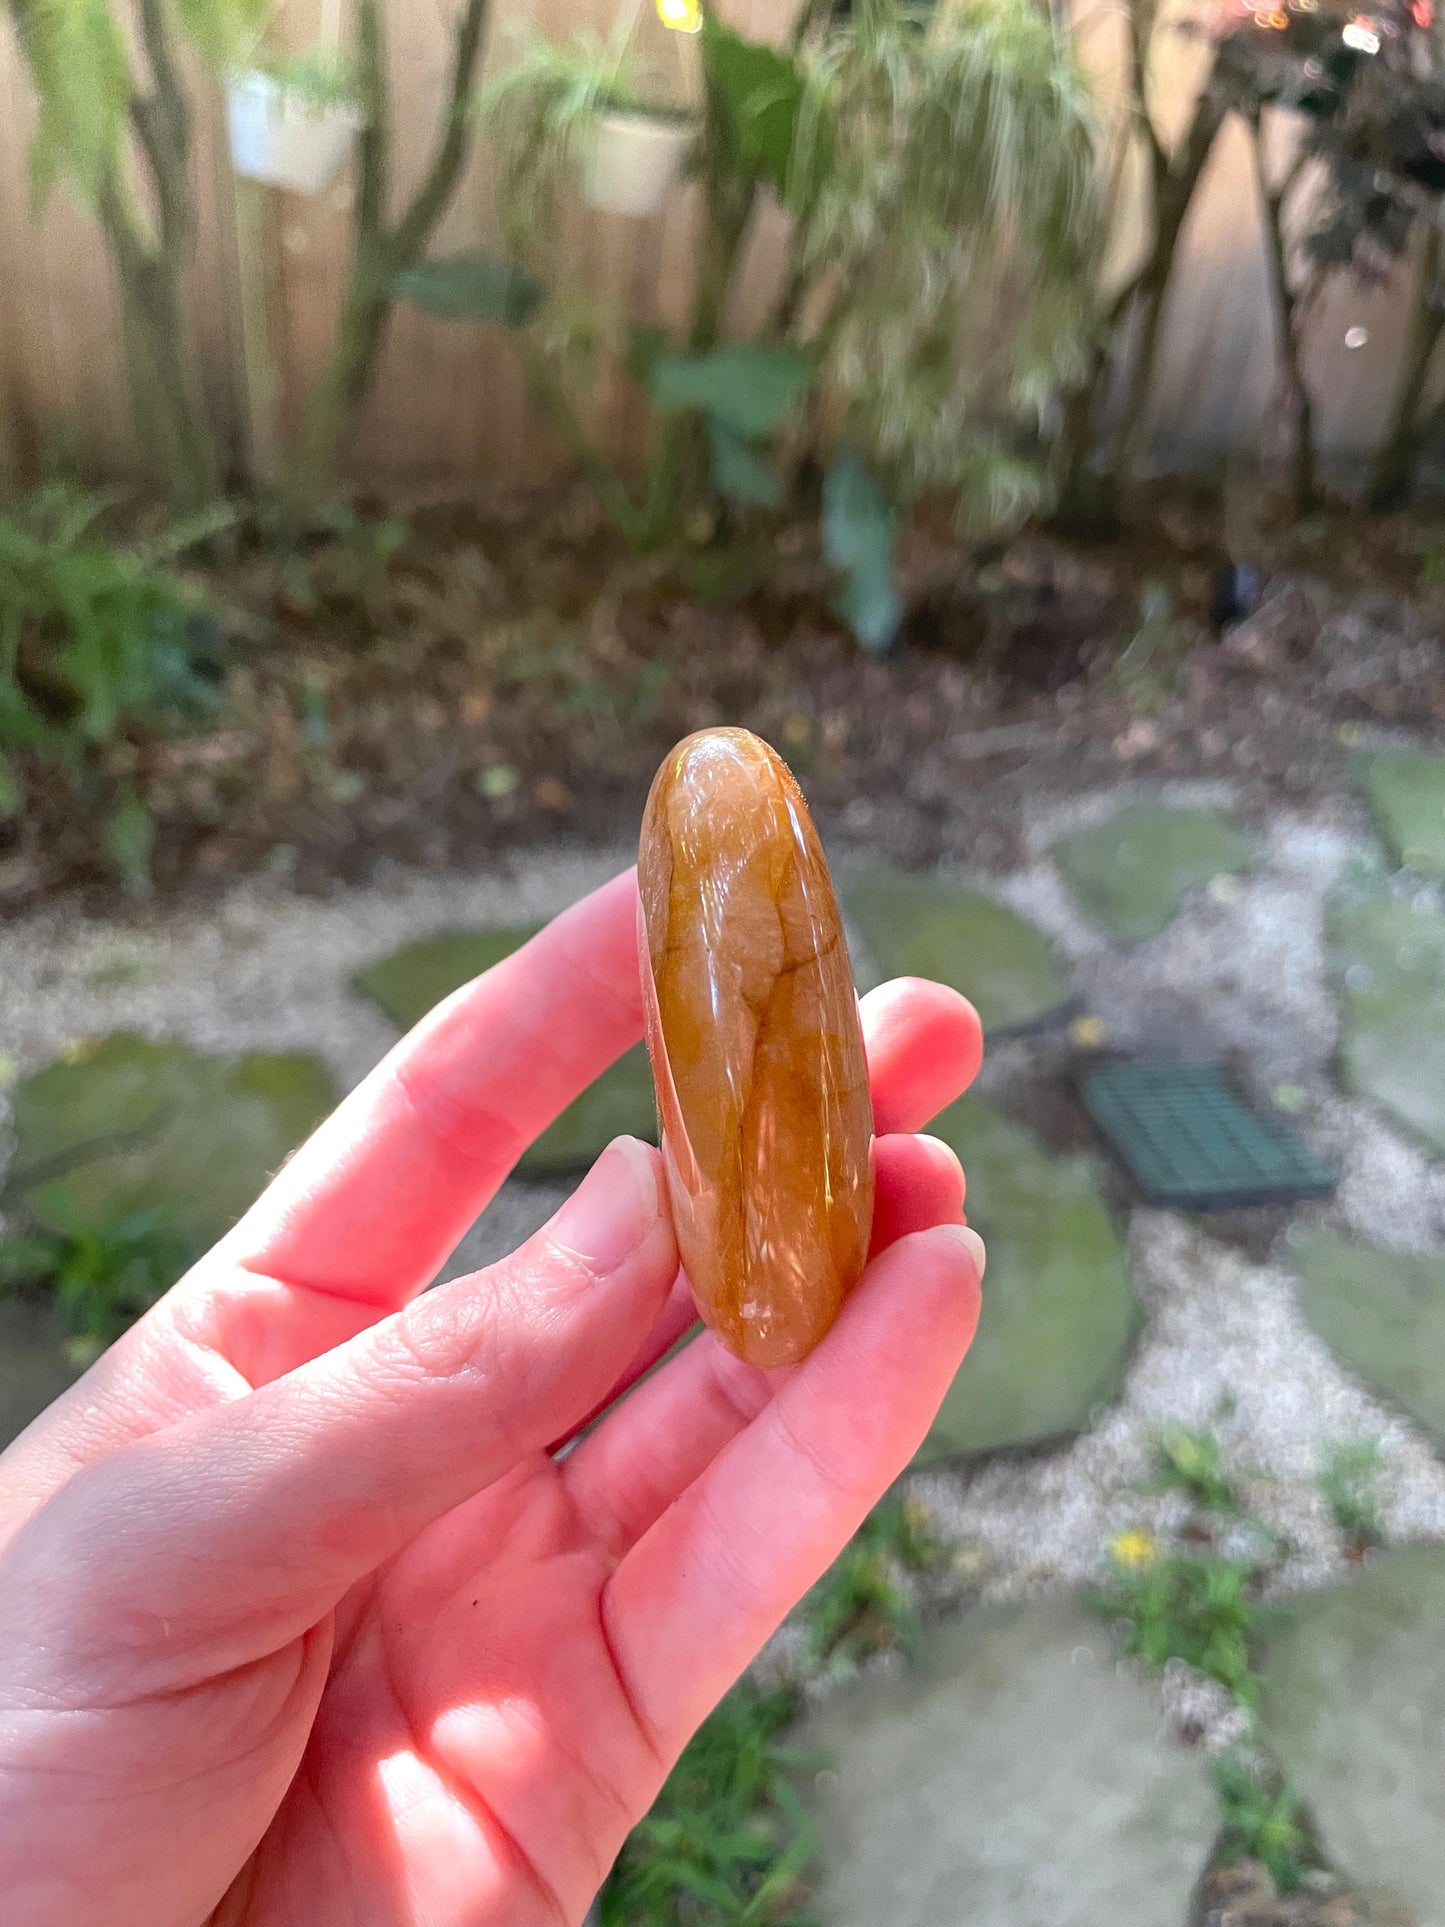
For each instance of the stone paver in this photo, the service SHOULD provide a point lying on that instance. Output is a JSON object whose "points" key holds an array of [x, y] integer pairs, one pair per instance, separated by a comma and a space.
{"points": [[1015, 1777], [1383, 1314], [407, 984], [1132, 873], [916, 927], [415, 977], [1406, 794], [1354, 1706], [1058, 1316], [123, 1124], [1388, 958]]}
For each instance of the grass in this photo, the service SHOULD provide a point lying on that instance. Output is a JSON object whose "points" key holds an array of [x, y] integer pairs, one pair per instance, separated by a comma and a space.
{"points": [[1350, 1485], [1191, 1461], [1263, 1819], [101, 1276], [862, 1605], [1198, 1607], [728, 1841], [1201, 1607]]}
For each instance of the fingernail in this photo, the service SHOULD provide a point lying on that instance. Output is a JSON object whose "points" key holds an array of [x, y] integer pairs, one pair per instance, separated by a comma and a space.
{"points": [[972, 1243], [613, 1209]]}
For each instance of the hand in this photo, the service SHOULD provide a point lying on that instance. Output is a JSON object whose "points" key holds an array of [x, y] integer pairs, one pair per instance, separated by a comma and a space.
{"points": [[303, 1621]]}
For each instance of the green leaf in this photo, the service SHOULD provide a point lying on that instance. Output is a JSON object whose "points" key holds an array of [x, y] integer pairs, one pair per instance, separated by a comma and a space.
{"points": [[737, 473], [224, 32], [26, 1260], [748, 387], [763, 90], [473, 287], [860, 538], [130, 835], [77, 58], [645, 343]]}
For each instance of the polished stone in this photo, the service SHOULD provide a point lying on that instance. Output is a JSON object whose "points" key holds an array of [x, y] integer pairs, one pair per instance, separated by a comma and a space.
{"points": [[756, 1047]]}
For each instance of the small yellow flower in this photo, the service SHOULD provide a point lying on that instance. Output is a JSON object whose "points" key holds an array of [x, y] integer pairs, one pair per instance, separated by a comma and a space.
{"points": [[1088, 1032], [1135, 1550], [683, 16], [917, 1516]]}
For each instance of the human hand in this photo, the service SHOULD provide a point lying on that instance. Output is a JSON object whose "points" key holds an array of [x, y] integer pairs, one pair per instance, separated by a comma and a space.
{"points": [[303, 1621]]}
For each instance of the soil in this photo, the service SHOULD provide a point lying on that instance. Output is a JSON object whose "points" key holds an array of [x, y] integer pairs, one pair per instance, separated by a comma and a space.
{"points": [[445, 684], [1243, 1895]]}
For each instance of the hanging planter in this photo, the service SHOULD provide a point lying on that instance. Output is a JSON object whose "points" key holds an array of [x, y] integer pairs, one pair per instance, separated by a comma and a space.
{"points": [[280, 137], [633, 159]]}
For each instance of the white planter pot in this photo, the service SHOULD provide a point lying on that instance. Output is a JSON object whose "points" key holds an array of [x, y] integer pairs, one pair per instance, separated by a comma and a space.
{"points": [[633, 161], [278, 138]]}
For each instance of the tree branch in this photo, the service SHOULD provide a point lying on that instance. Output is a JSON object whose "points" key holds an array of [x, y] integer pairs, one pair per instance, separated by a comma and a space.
{"points": [[414, 229], [374, 159], [1140, 37], [162, 123]]}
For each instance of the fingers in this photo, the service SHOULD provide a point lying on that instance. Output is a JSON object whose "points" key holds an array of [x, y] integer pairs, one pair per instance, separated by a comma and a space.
{"points": [[369, 1208], [923, 1047], [375, 1201], [238, 1529], [918, 1182], [677, 1317], [704, 1587], [925, 1044], [643, 1455]]}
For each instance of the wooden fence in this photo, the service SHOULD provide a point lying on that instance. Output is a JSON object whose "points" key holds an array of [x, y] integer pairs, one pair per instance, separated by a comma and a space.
{"points": [[449, 405]]}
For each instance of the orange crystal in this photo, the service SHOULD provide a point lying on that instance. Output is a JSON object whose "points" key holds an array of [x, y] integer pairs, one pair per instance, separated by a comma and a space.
{"points": [[757, 1052]]}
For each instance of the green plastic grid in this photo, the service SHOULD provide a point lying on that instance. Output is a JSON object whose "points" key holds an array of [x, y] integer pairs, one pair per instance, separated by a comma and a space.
{"points": [[1187, 1140]]}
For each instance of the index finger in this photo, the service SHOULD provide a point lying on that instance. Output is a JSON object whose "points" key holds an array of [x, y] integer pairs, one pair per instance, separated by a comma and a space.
{"points": [[380, 1195]]}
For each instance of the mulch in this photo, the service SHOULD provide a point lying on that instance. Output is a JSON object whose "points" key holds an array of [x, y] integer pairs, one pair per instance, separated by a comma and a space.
{"points": [[442, 684]]}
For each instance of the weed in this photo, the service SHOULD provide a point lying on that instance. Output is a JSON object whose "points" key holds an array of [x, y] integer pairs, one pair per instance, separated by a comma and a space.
{"points": [[1350, 1485], [861, 1605], [1192, 1462], [93, 639], [1263, 1819], [727, 1839], [1196, 1607], [102, 1276]]}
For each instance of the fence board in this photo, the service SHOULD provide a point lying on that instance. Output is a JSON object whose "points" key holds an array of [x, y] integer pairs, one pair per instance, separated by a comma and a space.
{"points": [[448, 404]]}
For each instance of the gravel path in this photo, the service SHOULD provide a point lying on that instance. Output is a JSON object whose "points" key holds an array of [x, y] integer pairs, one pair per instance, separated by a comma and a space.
{"points": [[1242, 968]]}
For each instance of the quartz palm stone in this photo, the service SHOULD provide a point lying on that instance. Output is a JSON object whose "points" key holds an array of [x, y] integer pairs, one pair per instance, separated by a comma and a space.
{"points": [[757, 1051]]}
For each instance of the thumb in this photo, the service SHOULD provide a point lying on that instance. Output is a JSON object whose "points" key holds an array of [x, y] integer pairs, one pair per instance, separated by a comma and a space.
{"points": [[233, 1531]]}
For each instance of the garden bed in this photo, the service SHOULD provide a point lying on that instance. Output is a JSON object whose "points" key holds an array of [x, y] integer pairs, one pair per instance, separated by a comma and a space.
{"points": [[446, 686]]}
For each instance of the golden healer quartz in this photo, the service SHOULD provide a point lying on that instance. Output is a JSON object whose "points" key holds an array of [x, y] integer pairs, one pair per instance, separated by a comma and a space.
{"points": [[757, 1051]]}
